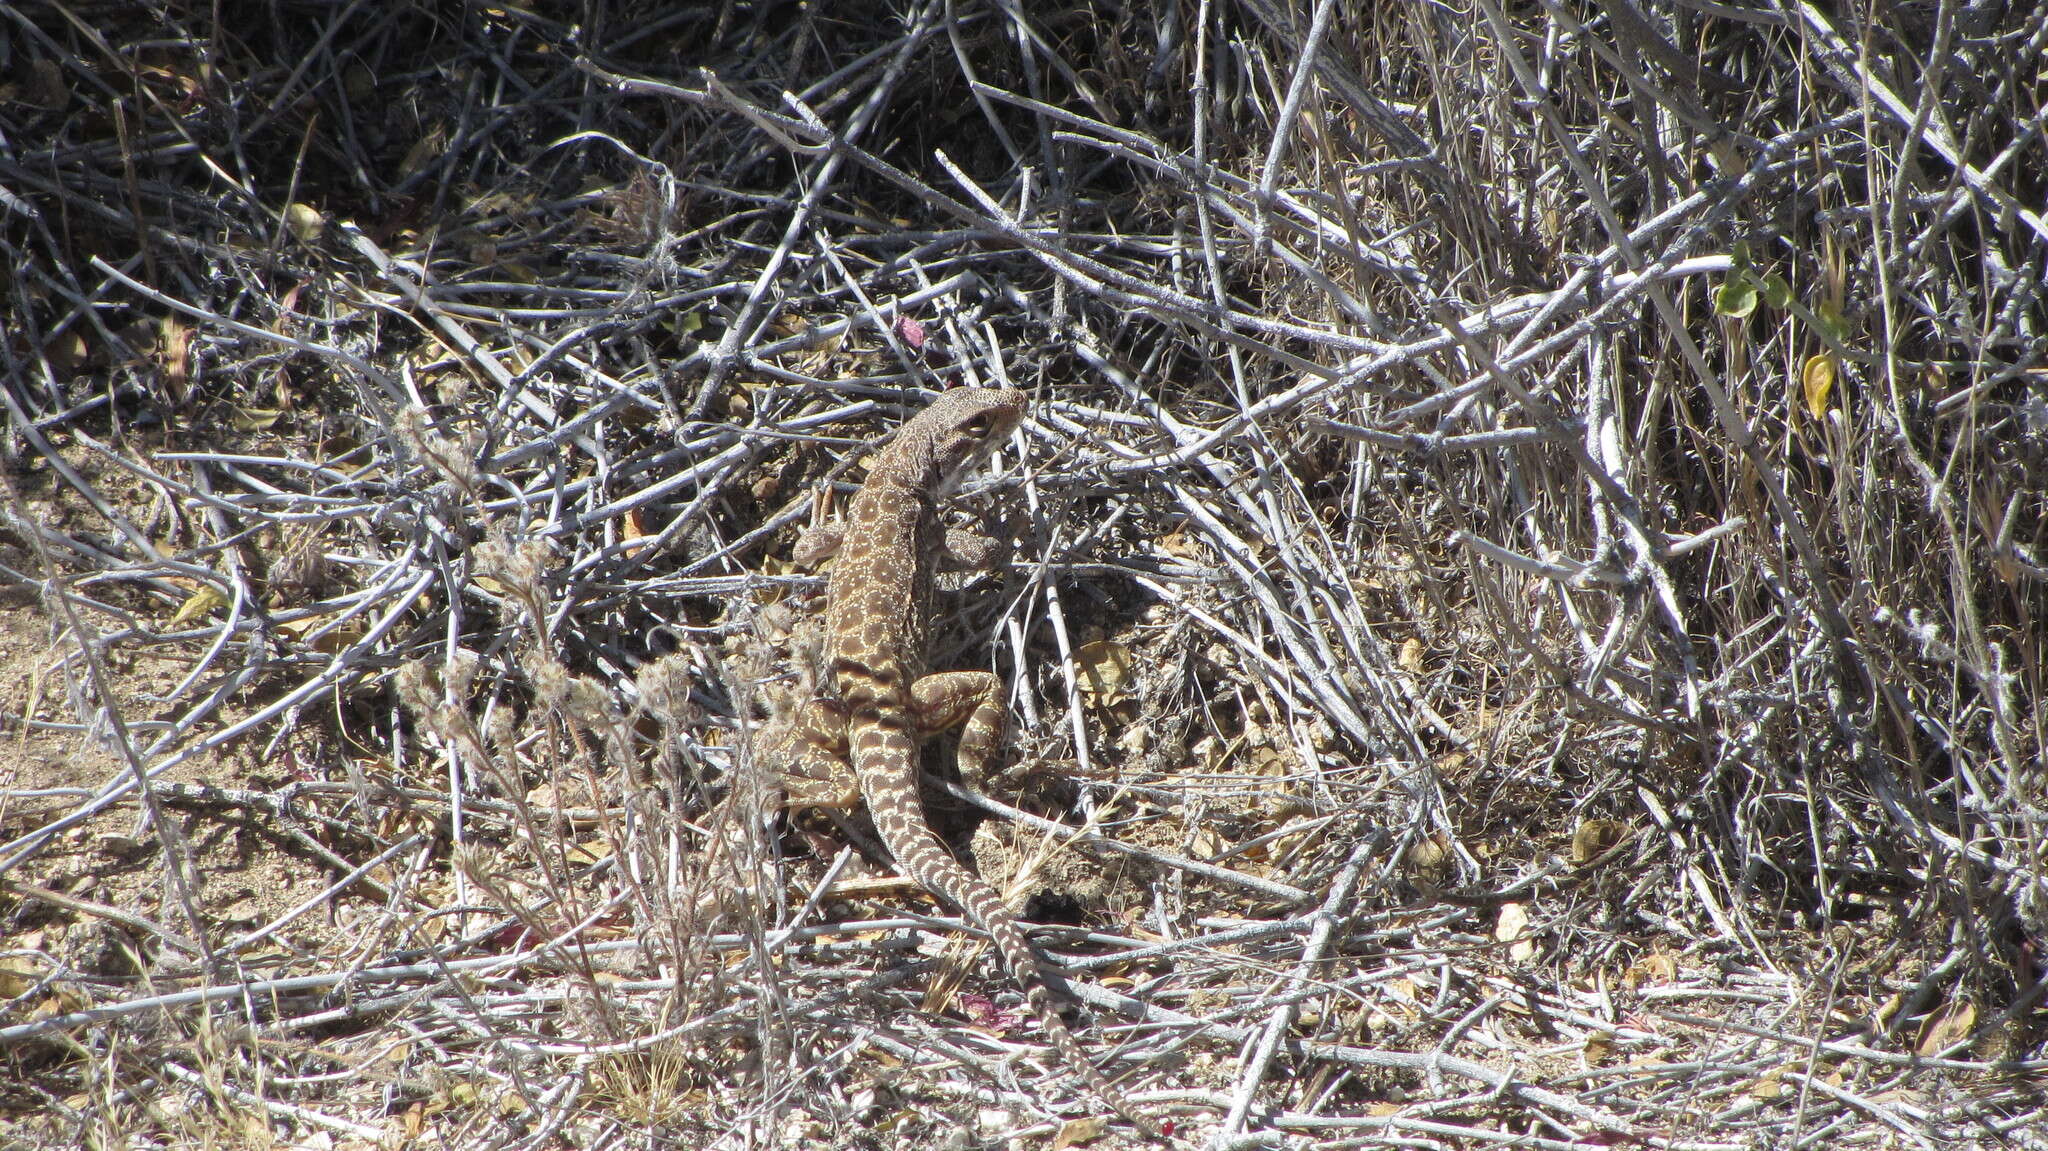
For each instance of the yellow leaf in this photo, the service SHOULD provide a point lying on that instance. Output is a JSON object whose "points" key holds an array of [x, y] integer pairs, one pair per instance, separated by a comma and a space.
{"points": [[1818, 376], [254, 419], [199, 605]]}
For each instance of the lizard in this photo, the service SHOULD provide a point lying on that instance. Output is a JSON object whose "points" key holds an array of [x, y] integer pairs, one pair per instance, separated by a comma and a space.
{"points": [[857, 740]]}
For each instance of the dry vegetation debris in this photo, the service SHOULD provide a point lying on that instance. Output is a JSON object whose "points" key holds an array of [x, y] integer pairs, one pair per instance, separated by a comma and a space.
{"points": [[1523, 584]]}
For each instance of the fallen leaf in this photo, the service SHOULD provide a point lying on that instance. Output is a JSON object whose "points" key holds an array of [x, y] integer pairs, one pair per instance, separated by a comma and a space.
{"points": [[1429, 858], [305, 222], [1656, 967], [1599, 1046], [1512, 928], [1411, 656], [911, 332], [254, 419], [174, 340], [199, 605], [635, 534], [1949, 1028], [1595, 838], [1105, 668], [1178, 543], [1075, 1132]]}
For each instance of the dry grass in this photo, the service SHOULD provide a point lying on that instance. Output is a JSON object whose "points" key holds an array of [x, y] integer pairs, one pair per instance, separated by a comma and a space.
{"points": [[1523, 587]]}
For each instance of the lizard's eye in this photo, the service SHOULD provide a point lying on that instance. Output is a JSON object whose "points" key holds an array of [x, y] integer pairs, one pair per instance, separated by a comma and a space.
{"points": [[979, 425]]}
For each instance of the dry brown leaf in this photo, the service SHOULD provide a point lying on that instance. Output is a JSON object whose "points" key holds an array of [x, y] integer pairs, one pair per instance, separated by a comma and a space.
{"points": [[1949, 1028], [1178, 543], [174, 343], [1075, 1132], [1105, 668], [1429, 858], [1656, 967], [305, 222], [635, 535], [1595, 838], [587, 853], [423, 151], [17, 975], [1512, 928], [1411, 656]]}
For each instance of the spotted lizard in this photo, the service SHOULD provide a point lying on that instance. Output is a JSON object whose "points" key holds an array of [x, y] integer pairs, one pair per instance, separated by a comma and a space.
{"points": [[858, 742]]}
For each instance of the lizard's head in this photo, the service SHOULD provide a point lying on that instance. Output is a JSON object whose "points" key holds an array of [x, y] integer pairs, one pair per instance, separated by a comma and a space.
{"points": [[960, 430]]}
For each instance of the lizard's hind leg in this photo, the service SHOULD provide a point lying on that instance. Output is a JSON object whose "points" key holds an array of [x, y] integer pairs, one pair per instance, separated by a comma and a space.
{"points": [[971, 701], [808, 760]]}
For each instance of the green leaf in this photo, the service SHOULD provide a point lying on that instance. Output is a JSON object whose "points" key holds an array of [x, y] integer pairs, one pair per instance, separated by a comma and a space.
{"points": [[1737, 297], [1831, 323]]}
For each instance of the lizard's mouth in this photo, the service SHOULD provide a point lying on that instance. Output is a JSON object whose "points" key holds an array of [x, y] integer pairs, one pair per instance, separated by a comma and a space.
{"points": [[974, 462]]}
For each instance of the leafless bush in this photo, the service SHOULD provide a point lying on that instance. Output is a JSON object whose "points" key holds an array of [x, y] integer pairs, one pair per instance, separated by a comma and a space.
{"points": [[1522, 585]]}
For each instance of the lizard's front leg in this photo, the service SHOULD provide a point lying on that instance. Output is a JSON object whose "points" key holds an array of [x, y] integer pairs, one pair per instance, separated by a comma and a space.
{"points": [[971, 701]]}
